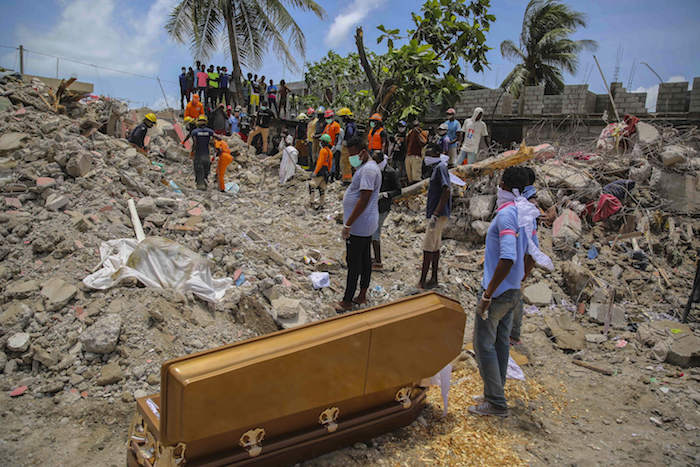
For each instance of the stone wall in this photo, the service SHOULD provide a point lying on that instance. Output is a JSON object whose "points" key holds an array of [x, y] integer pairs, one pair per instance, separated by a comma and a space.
{"points": [[695, 96], [673, 97]]}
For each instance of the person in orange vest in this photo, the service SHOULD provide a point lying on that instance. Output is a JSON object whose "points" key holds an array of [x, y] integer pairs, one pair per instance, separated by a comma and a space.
{"points": [[334, 131], [194, 108], [376, 137], [224, 154], [319, 179]]}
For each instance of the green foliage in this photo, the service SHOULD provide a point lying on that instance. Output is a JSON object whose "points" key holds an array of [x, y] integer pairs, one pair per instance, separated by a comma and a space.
{"points": [[420, 68], [545, 47]]}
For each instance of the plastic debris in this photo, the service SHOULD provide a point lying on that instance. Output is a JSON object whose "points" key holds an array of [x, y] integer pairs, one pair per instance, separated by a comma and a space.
{"points": [[232, 187], [174, 186], [621, 343], [18, 391], [320, 280], [592, 252], [514, 371], [240, 280]]}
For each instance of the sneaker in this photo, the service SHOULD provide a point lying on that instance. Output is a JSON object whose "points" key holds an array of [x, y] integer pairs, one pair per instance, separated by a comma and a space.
{"points": [[478, 399], [486, 409]]}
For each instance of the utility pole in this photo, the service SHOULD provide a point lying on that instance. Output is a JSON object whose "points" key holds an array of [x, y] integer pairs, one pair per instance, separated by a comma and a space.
{"points": [[56, 67], [21, 59]]}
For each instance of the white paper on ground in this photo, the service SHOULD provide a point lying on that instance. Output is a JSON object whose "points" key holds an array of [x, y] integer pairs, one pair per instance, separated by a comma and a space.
{"points": [[320, 279], [160, 263], [514, 371], [456, 180]]}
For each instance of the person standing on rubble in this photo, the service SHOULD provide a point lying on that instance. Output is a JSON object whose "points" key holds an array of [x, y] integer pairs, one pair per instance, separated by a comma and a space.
{"points": [[223, 86], [262, 128], [212, 88], [333, 129], [318, 130], [473, 129], [202, 79], [184, 94], [442, 140], [234, 121], [223, 153], [349, 132], [416, 139], [390, 188], [319, 178], [138, 134], [284, 92], [504, 269], [437, 213], [453, 127], [376, 137], [398, 150], [272, 98], [290, 157], [218, 120], [310, 132], [202, 139], [360, 221], [300, 140]]}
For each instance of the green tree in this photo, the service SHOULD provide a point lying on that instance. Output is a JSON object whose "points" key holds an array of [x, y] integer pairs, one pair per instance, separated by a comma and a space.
{"points": [[426, 69], [250, 27], [545, 47]]}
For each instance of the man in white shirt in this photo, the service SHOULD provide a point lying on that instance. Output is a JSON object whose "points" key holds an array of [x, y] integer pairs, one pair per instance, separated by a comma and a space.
{"points": [[474, 128]]}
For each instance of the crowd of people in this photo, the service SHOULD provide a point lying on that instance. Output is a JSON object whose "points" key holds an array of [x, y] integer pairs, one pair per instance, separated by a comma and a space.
{"points": [[373, 166]]}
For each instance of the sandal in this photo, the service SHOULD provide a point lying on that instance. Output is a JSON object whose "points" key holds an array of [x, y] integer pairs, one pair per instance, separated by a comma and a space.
{"points": [[342, 307], [377, 267]]}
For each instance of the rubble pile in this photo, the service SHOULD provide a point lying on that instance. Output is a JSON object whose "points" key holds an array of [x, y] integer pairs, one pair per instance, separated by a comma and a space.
{"points": [[65, 181]]}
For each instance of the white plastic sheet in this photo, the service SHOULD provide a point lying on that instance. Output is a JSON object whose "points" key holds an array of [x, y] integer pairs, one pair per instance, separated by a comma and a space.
{"points": [[320, 280], [160, 263], [288, 164], [514, 371]]}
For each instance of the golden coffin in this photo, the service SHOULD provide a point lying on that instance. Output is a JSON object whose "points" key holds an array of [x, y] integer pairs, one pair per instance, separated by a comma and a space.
{"points": [[300, 392]]}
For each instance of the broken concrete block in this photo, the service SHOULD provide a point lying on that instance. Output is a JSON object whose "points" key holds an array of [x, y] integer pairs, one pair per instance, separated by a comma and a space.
{"points": [[566, 229], [21, 289], [57, 293], [111, 373], [575, 278], [56, 202], [596, 338], [42, 183], [48, 359], [145, 207], [480, 229], [79, 164], [5, 103], [648, 134], [568, 334], [102, 337], [17, 315], [481, 207], [676, 154], [538, 294], [12, 141], [18, 342], [597, 312]]}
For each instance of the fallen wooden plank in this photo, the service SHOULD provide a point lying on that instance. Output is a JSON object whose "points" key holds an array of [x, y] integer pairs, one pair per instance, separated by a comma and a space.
{"points": [[602, 371], [485, 167]]}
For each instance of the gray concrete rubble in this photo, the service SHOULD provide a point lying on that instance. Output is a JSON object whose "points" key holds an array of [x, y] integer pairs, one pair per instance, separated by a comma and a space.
{"points": [[65, 184]]}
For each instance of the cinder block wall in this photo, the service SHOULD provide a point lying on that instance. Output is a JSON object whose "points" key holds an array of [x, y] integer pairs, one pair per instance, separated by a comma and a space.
{"points": [[487, 99], [534, 100], [695, 96], [673, 97], [577, 99], [552, 104]]}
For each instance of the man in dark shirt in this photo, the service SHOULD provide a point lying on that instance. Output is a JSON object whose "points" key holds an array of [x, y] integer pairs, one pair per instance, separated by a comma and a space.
{"points": [[262, 127], [415, 140], [138, 134], [223, 86], [437, 213], [184, 87], [390, 188], [201, 136], [398, 150]]}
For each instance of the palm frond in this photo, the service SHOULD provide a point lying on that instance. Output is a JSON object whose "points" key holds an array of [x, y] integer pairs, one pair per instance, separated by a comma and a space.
{"points": [[510, 50]]}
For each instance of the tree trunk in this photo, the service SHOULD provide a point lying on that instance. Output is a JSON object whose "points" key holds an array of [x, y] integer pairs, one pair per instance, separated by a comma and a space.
{"points": [[365, 64], [233, 46]]}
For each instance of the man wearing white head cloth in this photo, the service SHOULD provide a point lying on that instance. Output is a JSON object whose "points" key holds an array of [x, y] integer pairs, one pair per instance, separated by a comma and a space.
{"points": [[473, 128], [289, 160]]}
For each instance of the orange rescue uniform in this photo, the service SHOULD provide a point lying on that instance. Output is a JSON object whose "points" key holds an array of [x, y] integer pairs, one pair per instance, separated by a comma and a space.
{"points": [[374, 139], [325, 158], [194, 108], [225, 158], [332, 130]]}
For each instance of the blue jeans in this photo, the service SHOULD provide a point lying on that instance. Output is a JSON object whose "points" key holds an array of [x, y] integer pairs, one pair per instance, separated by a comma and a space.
{"points": [[517, 321], [492, 346], [470, 156]]}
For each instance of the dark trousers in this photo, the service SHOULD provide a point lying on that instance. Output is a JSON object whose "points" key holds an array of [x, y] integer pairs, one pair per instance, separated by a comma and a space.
{"points": [[273, 103], [202, 95], [202, 166], [184, 96], [359, 264], [336, 165]]}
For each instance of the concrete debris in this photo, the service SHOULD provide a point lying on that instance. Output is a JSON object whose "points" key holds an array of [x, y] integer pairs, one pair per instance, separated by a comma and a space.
{"points": [[111, 373], [102, 336], [18, 342], [480, 207], [538, 294], [57, 294], [12, 141], [56, 202], [21, 288], [566, 230], [79, 164]]}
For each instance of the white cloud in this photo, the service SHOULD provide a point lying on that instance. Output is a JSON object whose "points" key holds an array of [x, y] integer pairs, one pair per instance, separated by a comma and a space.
{"points": [[353, 15], [653, 92], [97, 33]]}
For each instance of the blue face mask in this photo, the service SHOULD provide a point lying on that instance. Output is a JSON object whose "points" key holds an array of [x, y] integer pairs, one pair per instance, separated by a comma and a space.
{"points": [[355, 161]]}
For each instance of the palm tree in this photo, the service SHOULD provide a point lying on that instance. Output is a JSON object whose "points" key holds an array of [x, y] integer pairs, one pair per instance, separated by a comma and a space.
{"points": [[545, 47], [251, 27]]}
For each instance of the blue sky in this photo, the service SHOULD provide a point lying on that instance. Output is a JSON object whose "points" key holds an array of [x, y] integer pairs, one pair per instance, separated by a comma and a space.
{"points": [[128, 35]]}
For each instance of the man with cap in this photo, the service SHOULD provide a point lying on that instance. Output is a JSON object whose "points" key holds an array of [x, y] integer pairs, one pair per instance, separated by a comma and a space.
{"points": [[223, 153], [202, 138], [398, 150], [349, 132], [318, 130], [376, 137], [441, 139], [335, 132], [437, 212], [473, 129], [322, 172], [138, 134], [415, 140], [262, 127], [310, 132], [453, 128]]}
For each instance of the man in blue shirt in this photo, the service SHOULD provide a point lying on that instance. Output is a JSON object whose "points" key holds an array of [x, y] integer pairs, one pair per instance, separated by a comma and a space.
{"points": [[453, 128], [504, 268], [360, 221], [437, 212]]}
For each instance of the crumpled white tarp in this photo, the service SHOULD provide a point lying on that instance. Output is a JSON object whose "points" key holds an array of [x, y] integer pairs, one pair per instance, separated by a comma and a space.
{"points": [[160, 263], [288, 164]]}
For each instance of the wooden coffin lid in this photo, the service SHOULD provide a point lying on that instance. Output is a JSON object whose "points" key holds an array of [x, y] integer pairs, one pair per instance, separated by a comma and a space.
{"points": [[279, 374]]}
